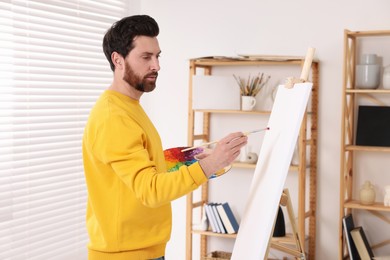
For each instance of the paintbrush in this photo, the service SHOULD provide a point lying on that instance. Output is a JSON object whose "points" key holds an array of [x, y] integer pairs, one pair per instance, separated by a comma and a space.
{"points": [[213, 142]]}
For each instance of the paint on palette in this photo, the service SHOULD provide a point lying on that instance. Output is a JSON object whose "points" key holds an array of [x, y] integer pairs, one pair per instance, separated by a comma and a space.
{"points": [[175, 158]]}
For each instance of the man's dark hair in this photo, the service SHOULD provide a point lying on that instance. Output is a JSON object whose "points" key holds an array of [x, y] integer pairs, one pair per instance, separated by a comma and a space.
{"points": [[120, 36]]}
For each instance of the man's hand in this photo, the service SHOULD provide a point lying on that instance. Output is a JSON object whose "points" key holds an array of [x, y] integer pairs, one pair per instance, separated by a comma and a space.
{"points": [[225, 152]]}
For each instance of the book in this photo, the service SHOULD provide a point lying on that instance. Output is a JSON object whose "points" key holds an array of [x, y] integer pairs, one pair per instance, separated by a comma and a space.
{"points": [[228, 218], [361, 242], [215, 217], [221, 226], [225, 220], [210, 217], [348, 225]]}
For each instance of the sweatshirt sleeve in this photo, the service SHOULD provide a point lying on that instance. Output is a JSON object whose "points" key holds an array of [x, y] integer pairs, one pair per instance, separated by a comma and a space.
{"points": [[129, 150]]}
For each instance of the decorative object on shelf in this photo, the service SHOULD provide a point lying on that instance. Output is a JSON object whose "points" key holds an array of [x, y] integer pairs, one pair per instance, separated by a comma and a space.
{"points": [[250, 88], [280, 226], [367, 194], [246, 156], [368, 72], [386, 201], [386, 77]]}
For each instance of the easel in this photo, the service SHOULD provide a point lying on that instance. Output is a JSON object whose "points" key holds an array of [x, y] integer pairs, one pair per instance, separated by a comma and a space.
{"points": [[253, 238], [296, 251], [285, 199]]}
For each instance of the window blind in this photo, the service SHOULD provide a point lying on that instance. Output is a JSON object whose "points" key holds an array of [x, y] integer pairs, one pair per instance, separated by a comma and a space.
{"points": [[52, 69]]}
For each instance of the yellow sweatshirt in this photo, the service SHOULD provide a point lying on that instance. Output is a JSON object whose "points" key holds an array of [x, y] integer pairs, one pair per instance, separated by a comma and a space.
{"points": [[129, 188]]}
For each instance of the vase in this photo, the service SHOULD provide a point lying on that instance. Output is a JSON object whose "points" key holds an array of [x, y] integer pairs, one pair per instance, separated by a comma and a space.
{"points": [[386, 77], [368, 72], [246, 156], [367, 194]]}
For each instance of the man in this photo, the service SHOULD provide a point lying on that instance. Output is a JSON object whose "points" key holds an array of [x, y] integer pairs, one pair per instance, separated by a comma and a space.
{"points": [[129, 188]]}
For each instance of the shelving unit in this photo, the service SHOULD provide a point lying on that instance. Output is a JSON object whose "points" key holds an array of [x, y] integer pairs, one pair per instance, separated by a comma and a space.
{"points": [[349, 150], [306, 208]]}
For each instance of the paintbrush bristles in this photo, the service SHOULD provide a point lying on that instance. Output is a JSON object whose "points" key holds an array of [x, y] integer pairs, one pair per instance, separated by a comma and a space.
{"points": [[252, 86]]}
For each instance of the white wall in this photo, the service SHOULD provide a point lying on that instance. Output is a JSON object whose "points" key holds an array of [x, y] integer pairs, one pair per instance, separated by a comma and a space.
{"points": [[226, 27]]}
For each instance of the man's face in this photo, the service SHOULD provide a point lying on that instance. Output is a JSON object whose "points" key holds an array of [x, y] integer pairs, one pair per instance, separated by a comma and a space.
{"points": [[142, 64]]}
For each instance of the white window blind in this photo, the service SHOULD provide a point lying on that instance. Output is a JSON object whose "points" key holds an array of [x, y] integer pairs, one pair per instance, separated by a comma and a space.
{"points": [[52, 69]]}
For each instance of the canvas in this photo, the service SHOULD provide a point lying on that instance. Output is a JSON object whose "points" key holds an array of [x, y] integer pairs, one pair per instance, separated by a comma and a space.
{"points": [[271, 171]]}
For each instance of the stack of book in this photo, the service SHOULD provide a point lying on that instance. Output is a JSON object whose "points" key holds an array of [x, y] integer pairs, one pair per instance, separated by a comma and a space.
{"points": [[221, 218]]}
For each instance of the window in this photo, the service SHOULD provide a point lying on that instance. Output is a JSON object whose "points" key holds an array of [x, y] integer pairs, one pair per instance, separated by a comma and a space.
{"points": [[52, 69]]}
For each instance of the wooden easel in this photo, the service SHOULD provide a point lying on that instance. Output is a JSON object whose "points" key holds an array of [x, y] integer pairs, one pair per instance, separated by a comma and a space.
{"points": [[254, 237], [295, 250], [285, 200]]}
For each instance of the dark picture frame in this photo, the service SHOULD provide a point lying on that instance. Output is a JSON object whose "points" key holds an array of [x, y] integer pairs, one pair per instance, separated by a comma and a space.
{"points": [[373, 126]]}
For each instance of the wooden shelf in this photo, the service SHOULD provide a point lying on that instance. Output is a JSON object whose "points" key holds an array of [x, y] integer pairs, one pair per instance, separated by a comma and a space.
{"points": [[354, 204], [253, 112], [285, 244], [293, 168], [213, 234], [367, 148], [288, 239], [348, 159], [356, 34], [237, 61], [244, 165], [367, 91], [215, 111]]}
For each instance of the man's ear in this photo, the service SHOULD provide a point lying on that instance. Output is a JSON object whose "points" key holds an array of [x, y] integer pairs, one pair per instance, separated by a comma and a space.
{"points": [[117, 60]]}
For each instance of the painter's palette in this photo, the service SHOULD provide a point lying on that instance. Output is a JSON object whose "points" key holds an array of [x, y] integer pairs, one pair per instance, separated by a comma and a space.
{"points": [[175, 158]]}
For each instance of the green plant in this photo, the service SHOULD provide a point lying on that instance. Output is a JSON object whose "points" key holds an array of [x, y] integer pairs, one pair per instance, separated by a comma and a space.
{"points": [[253, 85]]}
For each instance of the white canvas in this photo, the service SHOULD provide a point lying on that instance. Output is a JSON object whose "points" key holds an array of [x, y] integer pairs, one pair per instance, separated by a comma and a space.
{"points": [[271, 172], [215, 92]]}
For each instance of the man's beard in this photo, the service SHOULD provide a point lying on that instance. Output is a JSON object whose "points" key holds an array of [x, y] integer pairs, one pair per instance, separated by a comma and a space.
{"points": [[140, 84]]}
